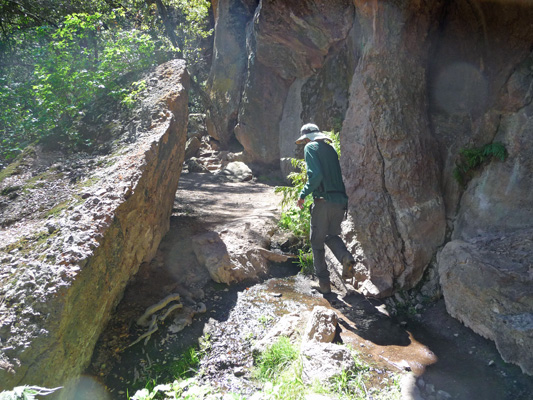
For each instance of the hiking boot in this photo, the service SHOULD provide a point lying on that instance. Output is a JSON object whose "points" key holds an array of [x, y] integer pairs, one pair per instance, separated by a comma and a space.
{"points": [[324, 287], [347, 267]]}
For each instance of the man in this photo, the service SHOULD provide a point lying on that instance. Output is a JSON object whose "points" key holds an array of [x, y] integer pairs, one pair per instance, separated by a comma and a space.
{"points": [[324, 182]]}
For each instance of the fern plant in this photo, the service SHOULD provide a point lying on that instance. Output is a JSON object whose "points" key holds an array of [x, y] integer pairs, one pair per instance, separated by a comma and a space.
{"points": [[471, 159], [292, 218]]}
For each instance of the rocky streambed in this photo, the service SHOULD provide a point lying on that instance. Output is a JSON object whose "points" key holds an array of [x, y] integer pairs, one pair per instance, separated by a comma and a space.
{"points": [[434, 356]]}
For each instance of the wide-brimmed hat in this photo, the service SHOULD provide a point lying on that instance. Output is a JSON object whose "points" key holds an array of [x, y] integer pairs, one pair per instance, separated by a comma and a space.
{"points": [[311, 132]]}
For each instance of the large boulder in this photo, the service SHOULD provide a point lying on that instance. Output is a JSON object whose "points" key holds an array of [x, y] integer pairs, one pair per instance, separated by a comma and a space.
{"points": [[65, 270], [240, 252], [388, 153], [488, 286]]}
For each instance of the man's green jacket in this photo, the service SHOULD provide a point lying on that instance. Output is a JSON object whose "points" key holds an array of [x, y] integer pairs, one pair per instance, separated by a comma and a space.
{"points": [[324, 177]]}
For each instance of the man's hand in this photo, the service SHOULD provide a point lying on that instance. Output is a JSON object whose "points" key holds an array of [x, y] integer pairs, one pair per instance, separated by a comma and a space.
{"points": [[300, 203]]}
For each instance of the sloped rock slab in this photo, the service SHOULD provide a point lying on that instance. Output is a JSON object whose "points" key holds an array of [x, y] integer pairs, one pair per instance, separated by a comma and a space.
{"points": [[61, 276], [488, 286]]}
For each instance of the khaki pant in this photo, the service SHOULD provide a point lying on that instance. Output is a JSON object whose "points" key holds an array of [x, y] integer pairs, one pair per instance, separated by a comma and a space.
{"points": [[326, 218]]}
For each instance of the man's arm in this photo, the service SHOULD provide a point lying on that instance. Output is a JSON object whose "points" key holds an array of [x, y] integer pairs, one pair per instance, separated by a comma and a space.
{"points": [[314, 172]]}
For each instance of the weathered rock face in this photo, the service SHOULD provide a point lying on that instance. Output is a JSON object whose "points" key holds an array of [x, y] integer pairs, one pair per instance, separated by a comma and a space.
{"points": [[54, 308], [286, 41], [389, 162], [229, 65], [413, 83], [240, 251], [485, 270]]}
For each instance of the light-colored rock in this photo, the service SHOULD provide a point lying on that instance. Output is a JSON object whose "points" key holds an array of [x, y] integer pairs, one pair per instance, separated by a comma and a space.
{"points": [[235, 171], [322, 361], [322, 325], [408, 388], [289, 325], [230, 266], [488, 285], [212, 253]]}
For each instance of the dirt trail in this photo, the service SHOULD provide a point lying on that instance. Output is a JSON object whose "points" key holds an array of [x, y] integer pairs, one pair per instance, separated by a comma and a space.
{"points": [[442, 353]]}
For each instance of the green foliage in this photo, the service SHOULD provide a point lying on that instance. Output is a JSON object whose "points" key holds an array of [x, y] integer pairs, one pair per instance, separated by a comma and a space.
{"points": [[26, 393], [275, 359], [186, 365], [292, 218], [305, 259], [335, 141], [265, 320], [470, 159], [130, 99], [58, 58], [74, 65]]}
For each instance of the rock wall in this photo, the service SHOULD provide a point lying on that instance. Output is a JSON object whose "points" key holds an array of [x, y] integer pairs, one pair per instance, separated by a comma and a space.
{"points": [[54, 308], [482, 93], [412, 84], [389, 163], [228, 70], [285, 44]]}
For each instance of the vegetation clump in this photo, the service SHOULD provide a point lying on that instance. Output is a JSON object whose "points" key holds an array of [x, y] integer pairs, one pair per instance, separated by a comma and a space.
{"points": [[471, 159]]}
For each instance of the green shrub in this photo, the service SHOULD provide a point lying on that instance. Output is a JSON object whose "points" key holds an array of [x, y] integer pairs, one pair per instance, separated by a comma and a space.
{"points": [[471, 159], [305, 260], [64, 71]]}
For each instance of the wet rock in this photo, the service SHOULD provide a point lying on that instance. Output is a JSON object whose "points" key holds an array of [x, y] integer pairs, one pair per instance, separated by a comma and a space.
{"points": [[409, 388], [442, 395]]}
